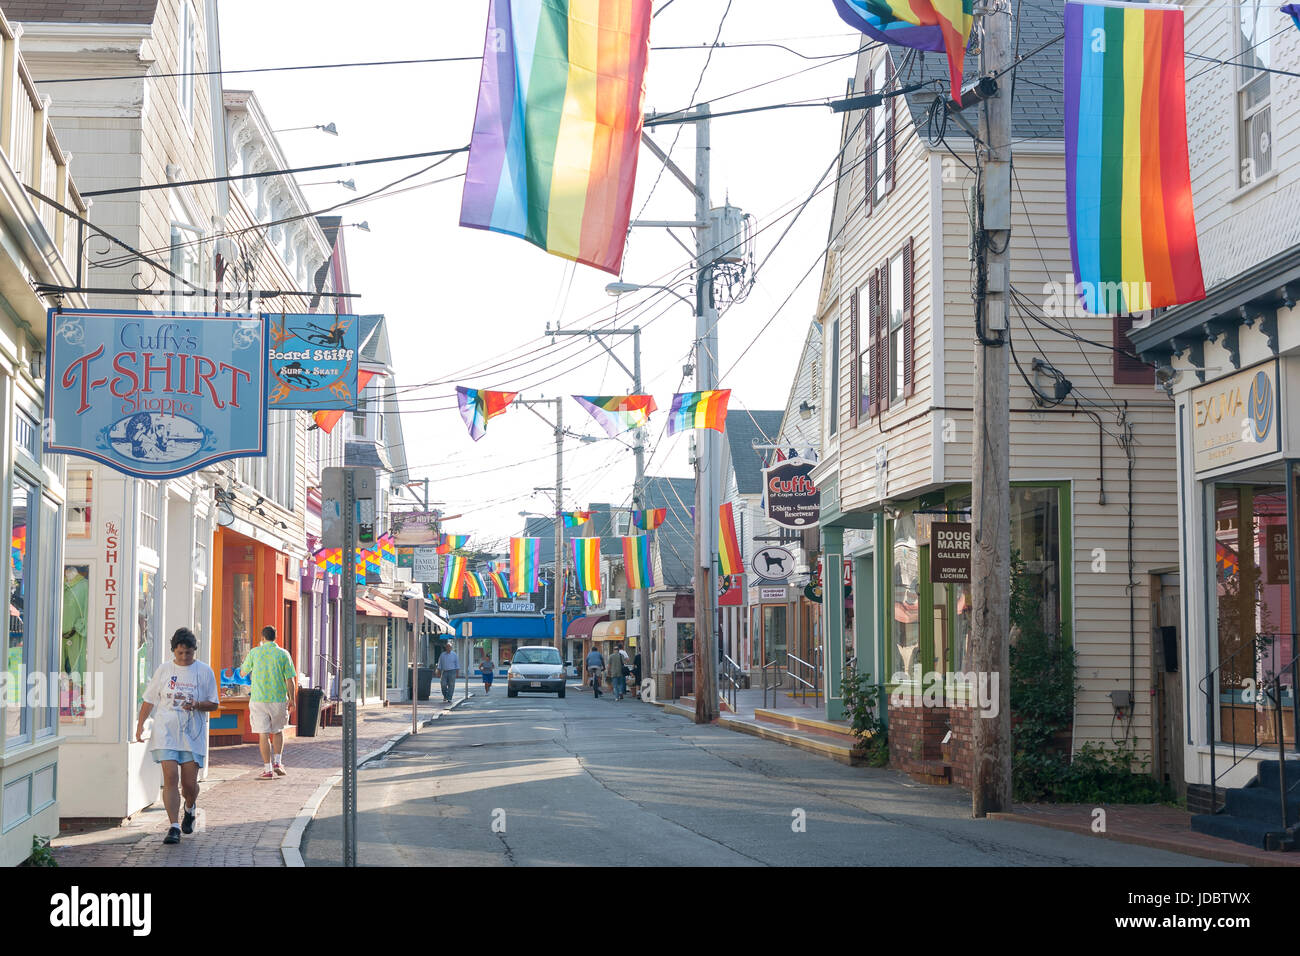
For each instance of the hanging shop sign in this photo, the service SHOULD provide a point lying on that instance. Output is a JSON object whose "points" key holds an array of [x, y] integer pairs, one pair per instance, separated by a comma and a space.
{"points": [[790, 496], [406, 557], [950, 552], [1277, 559], [773, 563], [313, 361], [415, 527], [731, 590], [1236, 418], [155, 394], [771, 594], [424, 566]]}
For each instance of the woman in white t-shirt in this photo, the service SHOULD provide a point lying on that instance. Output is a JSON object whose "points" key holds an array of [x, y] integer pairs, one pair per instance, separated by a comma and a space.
{"points": [[180, 694]]}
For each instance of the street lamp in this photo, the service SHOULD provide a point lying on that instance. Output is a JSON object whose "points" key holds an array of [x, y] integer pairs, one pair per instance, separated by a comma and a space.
{"points": [[345, 183], [323, 127], [363, 226], [619, 288]]}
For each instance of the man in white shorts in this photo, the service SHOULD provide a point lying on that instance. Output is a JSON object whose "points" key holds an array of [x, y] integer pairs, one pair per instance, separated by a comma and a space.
{"points": [[275, 682]]}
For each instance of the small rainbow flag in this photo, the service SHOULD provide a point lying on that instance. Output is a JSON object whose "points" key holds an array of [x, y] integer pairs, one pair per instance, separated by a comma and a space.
{"points": [[453, 576], [574, 518], [1127, 183], [649, 520], [525, 557], [474, 584], [498, 581], [918, 24], [558, 130], [729, 553], [452, 542], [699, 410], [618, 413], [479, 406], [586, 563], [636, 561]]}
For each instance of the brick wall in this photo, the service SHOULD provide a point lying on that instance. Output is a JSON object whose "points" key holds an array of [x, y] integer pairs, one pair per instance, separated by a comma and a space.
{"points": [[916, 745]]}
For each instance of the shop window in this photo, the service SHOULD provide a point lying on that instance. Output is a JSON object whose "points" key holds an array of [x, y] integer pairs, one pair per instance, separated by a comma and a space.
{"points": [[685, 638], [775, 634], [147, 656], [19, 657], [241, 619], [905, 630], [833, 369], [81, 488], [1036, 543], [74, 646], [1254, 123]]}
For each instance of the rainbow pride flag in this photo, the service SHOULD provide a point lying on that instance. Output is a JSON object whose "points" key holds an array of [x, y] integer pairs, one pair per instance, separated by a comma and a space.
{"points": [[475, 584], [478, 406], [618, 413], [729, 553], [525, 557], [636, 561], [453, 576], [1128, 188], [452, 542], [918, 24], [590, 598], [574, 518], [649, 520], [586, 563], [554, 151], [498, 581], [699, 410]]}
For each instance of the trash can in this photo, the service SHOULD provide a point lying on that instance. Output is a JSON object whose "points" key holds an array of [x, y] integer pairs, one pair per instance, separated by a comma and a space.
{"points": [[424, 681], [309, 701]]}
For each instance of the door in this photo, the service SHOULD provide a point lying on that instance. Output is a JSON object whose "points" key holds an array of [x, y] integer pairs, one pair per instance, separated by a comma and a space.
{"points": [[1166, 654]]}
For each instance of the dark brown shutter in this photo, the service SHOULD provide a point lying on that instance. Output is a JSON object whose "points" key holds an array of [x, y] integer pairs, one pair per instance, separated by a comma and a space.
{"points": [[909, 323], [887, 361], [870, 159], [873, 311], [1129, 370], [854, 397], [890, 120]]}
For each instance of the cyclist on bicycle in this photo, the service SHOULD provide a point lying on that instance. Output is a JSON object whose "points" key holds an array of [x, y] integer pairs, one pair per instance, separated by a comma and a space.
{"points": [[595, 664]]}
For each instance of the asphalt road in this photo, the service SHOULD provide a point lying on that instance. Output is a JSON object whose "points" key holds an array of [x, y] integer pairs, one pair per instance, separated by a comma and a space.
{"points": [[537, 781]]}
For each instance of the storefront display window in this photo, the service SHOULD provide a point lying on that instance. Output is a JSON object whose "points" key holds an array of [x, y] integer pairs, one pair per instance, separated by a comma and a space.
{"points": [[775, 642], [685, 638], [145, 639], [241, 618], [17, 660], [1036, 542], [73, 646], [905, 629]]}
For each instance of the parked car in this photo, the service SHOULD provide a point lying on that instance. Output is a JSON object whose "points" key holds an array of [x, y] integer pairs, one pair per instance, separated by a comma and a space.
{"points": [[536, 669]]}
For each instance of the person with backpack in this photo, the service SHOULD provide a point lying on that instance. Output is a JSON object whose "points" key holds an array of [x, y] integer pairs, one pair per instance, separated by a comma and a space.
{"points": [[618, 667], [595, 664]]}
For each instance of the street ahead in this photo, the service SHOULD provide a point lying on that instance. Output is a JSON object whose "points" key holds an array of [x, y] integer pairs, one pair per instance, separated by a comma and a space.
{"points": [[537, 781]]}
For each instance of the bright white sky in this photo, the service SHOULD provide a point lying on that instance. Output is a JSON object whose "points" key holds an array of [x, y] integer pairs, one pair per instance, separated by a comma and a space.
{"points": [[461, 299]]}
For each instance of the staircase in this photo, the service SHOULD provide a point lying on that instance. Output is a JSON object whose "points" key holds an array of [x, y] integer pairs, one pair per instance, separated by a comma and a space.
{"points": [[1252, 814]]}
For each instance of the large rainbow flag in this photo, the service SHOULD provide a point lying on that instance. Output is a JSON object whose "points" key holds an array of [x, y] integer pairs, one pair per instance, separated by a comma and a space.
{"points": [[525, 557], [478, 406], [650, 519], [475, 584], [499, 586], [574, 518], [699, 410], [618, 413], [729, 553], [586, 563], [636, 561], [1128, 188], [453, 576], [918, 24], [553, 155]]}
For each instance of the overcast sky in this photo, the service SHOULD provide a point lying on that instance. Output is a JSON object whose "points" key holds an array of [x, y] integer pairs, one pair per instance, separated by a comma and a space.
{"points": [[458, 300]]}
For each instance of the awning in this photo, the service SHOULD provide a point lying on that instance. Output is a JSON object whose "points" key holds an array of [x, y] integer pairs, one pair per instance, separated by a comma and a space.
{"points": [[393, 610], [581, 628], [365, 607], [439, 625], [610, 631]]}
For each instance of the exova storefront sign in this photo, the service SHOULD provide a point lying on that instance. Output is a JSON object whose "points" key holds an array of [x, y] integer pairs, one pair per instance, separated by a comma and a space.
{"points": [[1236, 418], [155, 394], [790, 496]]}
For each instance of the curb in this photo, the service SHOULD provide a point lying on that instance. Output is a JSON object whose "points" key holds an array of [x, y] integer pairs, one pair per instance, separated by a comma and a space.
{"points": [[291, 845]]}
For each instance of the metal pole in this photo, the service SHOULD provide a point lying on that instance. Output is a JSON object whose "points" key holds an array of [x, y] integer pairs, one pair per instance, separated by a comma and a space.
{"points": [[641, 504], [706, 458], [349, 640], [415, 674], [559, 527]]}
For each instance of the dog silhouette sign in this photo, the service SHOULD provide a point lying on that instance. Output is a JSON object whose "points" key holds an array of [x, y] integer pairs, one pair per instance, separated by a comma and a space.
{"points": [[775, 564]]}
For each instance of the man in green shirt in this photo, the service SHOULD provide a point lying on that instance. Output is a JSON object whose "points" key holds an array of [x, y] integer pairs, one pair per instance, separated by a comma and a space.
{"points": [[275, 681]]}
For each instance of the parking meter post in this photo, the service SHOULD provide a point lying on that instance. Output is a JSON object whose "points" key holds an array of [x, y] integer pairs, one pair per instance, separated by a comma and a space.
{"points": [[349, 515]]}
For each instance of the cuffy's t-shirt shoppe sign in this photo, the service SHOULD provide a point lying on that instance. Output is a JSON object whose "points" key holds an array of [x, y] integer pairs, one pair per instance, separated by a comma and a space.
{"points": [[155, 394]]}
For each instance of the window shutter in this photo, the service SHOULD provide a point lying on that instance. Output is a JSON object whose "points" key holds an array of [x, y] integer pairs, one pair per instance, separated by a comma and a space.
{"points": [[855, 398], [870, 131], [890, 120], [1128, 370], [886, 360], [877, 366], [909, 323]]}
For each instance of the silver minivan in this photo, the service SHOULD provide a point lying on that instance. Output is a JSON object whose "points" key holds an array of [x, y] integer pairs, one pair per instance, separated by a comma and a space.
{"points": [[536, 669]]}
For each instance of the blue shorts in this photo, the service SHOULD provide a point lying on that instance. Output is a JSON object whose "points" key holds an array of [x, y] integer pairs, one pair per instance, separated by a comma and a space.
{"points": [[180, 756]]}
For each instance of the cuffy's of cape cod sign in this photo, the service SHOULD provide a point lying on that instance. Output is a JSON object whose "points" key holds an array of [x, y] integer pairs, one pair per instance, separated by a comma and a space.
{"points": [[155, 394]]}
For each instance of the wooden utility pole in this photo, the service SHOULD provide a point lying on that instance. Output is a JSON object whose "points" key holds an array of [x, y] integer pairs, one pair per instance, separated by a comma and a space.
{"points": [[990, 471]]}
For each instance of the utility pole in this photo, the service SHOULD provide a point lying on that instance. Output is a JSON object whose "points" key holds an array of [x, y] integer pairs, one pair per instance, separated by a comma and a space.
{"points": [[559, 507], [707, 486], [990, 470], [638, 451]]}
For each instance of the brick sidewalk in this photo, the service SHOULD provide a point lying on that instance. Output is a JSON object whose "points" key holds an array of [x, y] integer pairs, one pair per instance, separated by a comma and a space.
{"points": [[242, 820]]}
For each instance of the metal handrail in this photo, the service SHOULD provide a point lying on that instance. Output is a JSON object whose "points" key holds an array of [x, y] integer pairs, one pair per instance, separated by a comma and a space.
{"points": [[814, 685], [679, 668], [1269, 688], [733, 674], [774, 687]]}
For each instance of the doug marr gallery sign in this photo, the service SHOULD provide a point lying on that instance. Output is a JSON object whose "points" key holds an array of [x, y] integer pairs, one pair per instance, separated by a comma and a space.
{"points": [[950, 552], [1236, 418], [155, 394], [792, 500]]}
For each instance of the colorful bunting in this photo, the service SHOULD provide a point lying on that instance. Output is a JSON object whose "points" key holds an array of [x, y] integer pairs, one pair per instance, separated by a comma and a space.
{"points": [[918, 24], [372, 561], [618, 413], [586, 563], [574, 518], [699, 410], [636, 561], [326, 421], [525, 558], [479, 406], [729, 554], [557, 134], [388, 549], [649, 520], [1128, 187], [453, 575]]}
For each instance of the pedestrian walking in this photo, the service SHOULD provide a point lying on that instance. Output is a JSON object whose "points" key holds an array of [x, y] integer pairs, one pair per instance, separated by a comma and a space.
{"points": [[179, 696], [448, 667], [618, 666], [275, 684], [595, 664], [636, 670], [486, 670]]}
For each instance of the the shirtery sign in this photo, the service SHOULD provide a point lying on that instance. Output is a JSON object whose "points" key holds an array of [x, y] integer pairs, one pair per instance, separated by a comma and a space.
{"points": [[791, 498], [155, 394]]}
